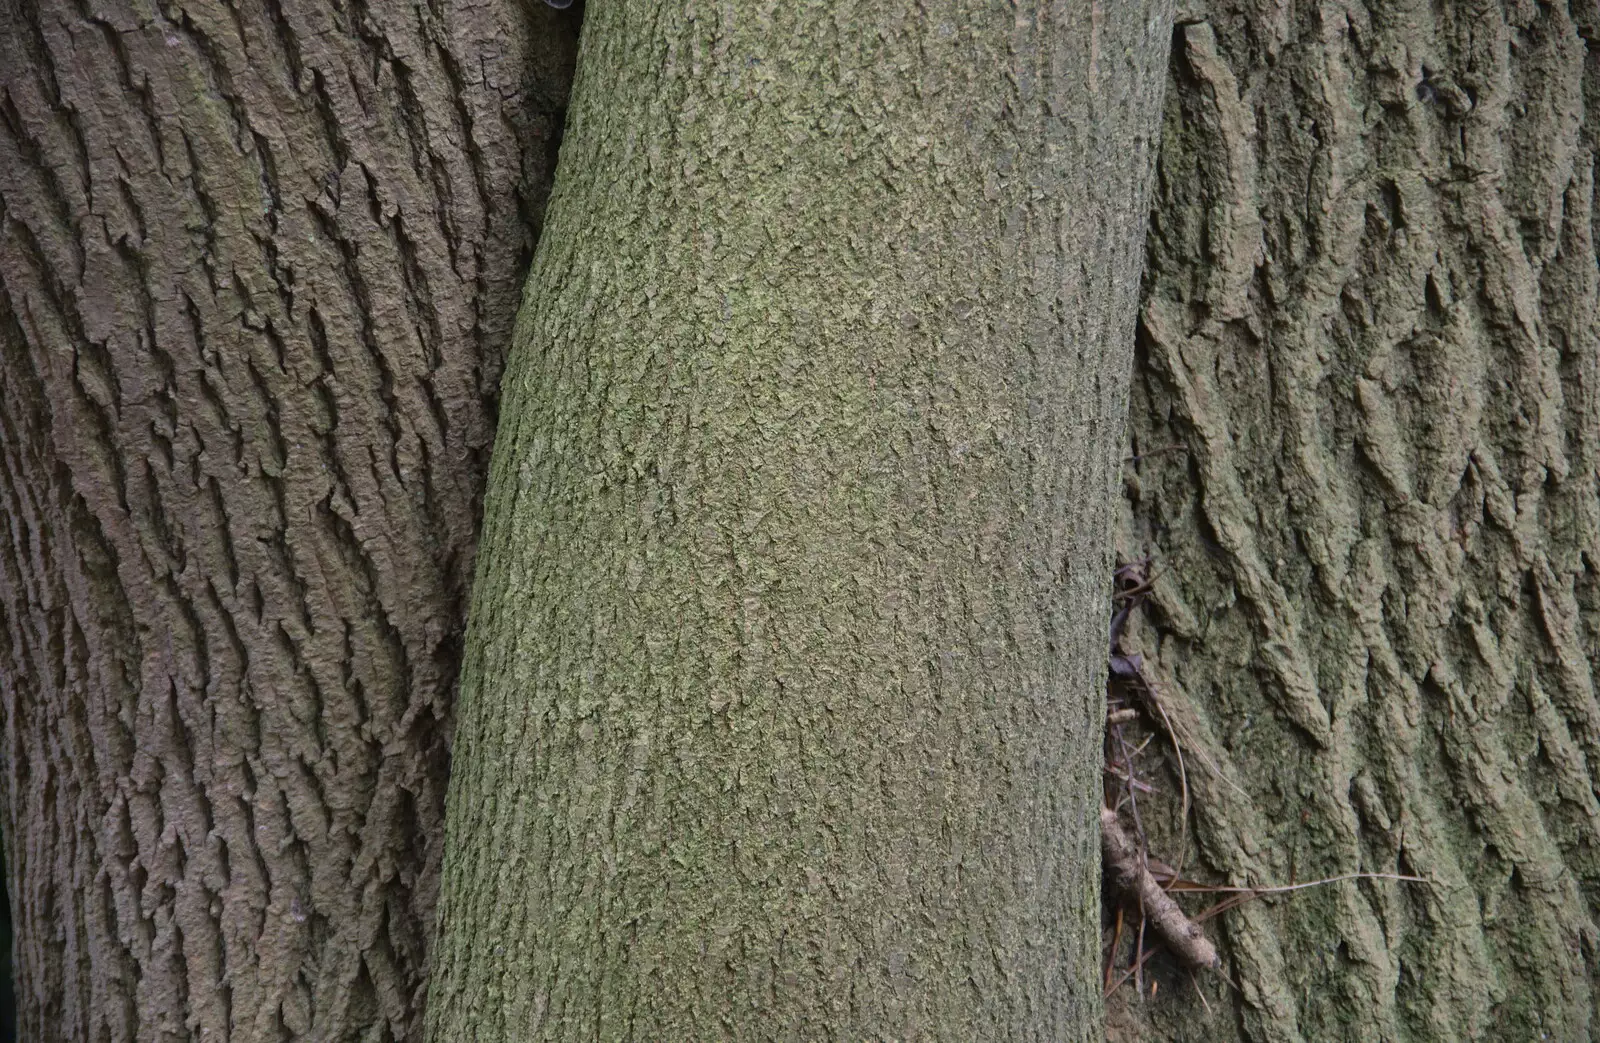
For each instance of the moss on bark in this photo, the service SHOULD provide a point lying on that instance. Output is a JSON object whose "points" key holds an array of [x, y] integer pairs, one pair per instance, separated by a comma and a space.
{"points": [[1370, 316], [781, 708]]}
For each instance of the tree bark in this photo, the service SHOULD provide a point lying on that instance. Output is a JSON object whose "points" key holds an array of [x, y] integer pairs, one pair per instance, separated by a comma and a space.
{"points": [[781, 703], [258, 269], [1370, 320]]}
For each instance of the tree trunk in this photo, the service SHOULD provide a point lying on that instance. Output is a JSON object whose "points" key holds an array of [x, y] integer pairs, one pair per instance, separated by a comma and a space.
{"points": [[781, 703], [258, 268], [1370, 322]]}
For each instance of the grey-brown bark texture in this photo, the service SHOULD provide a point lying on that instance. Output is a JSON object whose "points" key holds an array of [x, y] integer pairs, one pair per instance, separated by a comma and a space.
{"points": [[258, 268], [1370, 316], [780, 711]]}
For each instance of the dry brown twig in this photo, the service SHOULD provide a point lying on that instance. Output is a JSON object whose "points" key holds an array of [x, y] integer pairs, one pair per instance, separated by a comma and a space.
{"points": [[1122, 856], [1111, 953], [1147, 882], [1131, 668]]}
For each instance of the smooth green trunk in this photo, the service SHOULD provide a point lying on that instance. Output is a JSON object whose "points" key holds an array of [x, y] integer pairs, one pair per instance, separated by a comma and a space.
{"points": [[780, 713]]}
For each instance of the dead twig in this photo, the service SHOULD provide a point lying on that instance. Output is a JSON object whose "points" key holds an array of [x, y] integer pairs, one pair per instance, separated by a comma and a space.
{"points": [[1183, 772], [1237, 896], [1189, 885], [1111, 954], [1158, 451], [1134, 968], [1182, 935], [1131, 669], [1138, 784]]}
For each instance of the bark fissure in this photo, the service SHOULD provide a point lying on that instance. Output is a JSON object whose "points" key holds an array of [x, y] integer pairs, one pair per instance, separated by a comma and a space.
{"points": [[1371, 315], [258, 267]]}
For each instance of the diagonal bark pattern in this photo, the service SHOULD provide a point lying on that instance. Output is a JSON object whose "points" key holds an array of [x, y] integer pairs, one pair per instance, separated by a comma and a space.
{"points": [[1371, 318], [259, 261]]}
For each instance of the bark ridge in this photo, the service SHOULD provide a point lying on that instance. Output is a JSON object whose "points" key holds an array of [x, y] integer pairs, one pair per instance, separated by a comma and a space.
{"points": [[259, 261], [1370, 316]]}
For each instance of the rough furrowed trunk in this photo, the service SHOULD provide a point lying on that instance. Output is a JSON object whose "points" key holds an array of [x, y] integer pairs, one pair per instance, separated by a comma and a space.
{"points": [[779, 716], [1370, 323], [259, 264]]}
